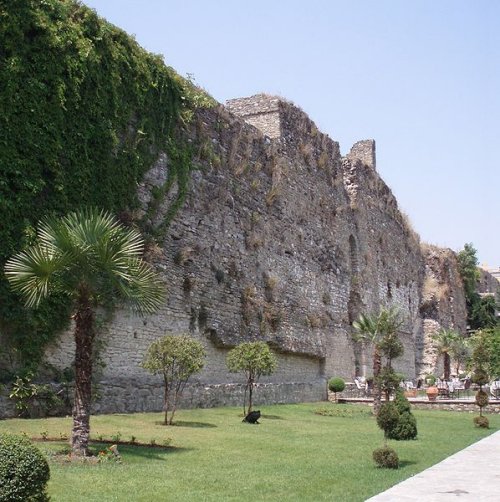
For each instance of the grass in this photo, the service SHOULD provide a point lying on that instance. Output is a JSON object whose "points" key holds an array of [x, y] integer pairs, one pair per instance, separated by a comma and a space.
{"points": [[294, 454]]}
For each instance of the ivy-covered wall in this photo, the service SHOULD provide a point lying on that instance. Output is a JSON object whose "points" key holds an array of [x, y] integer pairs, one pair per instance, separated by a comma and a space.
{"points": [[84, 112]]}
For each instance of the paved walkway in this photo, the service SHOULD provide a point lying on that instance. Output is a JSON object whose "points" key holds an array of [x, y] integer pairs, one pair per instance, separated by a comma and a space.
{"points": [[472, 474]]}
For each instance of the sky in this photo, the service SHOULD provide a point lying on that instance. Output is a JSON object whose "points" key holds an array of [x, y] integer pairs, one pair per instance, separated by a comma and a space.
{"points": [[422, 78]]}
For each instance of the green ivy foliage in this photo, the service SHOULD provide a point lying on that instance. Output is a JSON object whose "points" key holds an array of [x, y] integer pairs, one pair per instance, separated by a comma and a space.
{"points": [[84, 113]]}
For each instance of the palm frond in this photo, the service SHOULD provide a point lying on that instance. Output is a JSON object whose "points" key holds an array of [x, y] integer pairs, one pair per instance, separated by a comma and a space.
{"points": [[142, 289], [370, 327], [31, 272], [87, 248]]}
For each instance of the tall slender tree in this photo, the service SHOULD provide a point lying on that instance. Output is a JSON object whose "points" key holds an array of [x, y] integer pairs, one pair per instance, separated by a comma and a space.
{"points": [[97, 262], [374, 329]]}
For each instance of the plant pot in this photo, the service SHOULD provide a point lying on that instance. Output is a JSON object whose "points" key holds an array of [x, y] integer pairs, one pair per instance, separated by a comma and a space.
{"points": [[432, 393]]}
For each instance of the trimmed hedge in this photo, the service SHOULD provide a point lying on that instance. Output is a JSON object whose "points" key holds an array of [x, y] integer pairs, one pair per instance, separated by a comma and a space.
{"points": [[386, 457], [336, 384], [24, 471]]}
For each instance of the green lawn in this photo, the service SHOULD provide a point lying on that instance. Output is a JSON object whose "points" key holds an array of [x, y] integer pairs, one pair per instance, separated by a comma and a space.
{"points": [[293, 454]]}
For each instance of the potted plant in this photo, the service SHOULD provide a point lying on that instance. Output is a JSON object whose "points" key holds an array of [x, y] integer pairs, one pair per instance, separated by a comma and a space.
{"points": [[431, 391]]}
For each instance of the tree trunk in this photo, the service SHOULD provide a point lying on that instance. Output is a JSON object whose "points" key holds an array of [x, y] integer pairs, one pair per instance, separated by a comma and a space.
{"points": [[250, 392], [165, 400], [447, 364], [177, 392], [363, 359], [245, 400], [84, 338], [377, 366]]}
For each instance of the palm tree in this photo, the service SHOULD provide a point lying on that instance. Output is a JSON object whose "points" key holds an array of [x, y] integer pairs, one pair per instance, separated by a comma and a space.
{"points": [[460, 351], [445, 340], [97, 262], [375, 329]]}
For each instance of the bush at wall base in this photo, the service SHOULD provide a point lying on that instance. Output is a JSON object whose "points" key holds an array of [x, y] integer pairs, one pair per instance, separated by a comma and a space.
{"points": [[335, 385], [24, 471], [386, 457]]}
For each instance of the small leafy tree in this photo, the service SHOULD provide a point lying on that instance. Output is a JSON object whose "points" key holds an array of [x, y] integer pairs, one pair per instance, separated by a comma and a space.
{"points": [[254, 359], [480, 311], [467, 266], [335, 385], [176, 358], [491, 341], [483, 313]]}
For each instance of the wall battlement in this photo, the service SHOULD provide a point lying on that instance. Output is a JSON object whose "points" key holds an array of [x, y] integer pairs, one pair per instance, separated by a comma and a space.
{"points": [[271, 115], [262, 111], [365, 152]]}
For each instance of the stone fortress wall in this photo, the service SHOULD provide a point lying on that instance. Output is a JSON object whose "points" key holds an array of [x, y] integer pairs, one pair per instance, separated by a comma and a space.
{"points": [[281, 239]]}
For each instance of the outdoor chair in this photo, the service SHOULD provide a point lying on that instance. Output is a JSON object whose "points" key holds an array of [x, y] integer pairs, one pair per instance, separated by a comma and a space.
{"points": [[361, 385], [443, 389], [495, 389]]}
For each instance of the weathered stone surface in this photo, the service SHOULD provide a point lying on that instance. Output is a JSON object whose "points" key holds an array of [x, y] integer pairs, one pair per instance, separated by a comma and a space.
{"points": [[282, 240], [443, 304], [487, 284]]}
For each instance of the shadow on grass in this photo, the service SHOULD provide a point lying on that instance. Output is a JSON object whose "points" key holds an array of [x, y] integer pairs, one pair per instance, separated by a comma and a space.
{"points": [[153, 453], [272, 417], [182, 423], [150, 452], [406, 463]]}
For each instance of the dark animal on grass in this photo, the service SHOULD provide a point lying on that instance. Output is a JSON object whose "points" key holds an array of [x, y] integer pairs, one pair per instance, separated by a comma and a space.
{"points": [[252, 417]]}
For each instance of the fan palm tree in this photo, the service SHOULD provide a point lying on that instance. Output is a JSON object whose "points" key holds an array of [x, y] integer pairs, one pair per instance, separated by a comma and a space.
{"points": [[97, 262], [375, 329], [445, 341], [460, 352]]}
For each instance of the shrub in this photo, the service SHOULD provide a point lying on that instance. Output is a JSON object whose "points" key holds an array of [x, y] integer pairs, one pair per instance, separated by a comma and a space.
{"points": [[401, 402], [386, 457], [35, 400], [24, 471], [396, 420], [388, 381], [387, 418], [405, 429], [335, 411], [482, 398], [482, 422], [480, 377], [335, 385]]}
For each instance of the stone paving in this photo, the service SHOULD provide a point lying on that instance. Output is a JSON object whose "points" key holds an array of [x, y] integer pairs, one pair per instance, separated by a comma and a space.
{"points": [[471, 475]]}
